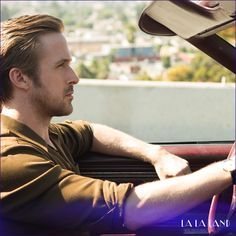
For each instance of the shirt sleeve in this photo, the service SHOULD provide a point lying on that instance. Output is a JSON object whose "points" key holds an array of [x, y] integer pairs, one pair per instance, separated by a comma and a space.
{"points": [[36, 191], [76, 135]]}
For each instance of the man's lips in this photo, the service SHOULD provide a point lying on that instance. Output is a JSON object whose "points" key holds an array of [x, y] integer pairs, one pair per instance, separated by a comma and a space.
{"points": [[69, 92], [70, 96]]}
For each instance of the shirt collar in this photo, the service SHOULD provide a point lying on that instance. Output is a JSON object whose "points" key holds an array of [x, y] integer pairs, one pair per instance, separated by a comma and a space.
{"points": [[10, 125]]}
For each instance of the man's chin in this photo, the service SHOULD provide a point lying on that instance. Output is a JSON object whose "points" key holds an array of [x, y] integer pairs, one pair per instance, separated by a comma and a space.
{"points": [[65, 112]]}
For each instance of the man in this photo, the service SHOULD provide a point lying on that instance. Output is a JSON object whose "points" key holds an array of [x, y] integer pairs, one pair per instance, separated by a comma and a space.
{"points": [[40, 180]]}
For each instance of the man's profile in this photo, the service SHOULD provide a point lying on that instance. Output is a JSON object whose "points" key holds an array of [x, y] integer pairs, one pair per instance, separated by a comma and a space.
{"points": [[41, 184]]}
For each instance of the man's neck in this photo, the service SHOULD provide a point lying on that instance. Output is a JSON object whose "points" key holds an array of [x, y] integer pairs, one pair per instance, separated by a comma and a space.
{"points": [[32, 120]]}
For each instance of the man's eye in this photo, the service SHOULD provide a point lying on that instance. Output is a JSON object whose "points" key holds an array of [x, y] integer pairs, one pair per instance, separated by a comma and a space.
{"points": [[61, 65]]}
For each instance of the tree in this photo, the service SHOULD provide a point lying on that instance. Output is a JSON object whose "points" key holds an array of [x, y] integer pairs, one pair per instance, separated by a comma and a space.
{"points": [[205, 69], [143, 76], [178, 73], [228, 34], [130, 31], [100, 67], [166, 62], [105, 13], [84, 72]]}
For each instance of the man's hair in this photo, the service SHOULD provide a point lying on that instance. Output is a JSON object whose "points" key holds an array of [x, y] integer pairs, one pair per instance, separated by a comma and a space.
{"points": [[19, 47]]}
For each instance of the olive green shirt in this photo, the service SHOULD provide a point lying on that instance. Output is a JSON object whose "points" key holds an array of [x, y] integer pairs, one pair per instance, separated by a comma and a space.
{"points": [[42, 186]]}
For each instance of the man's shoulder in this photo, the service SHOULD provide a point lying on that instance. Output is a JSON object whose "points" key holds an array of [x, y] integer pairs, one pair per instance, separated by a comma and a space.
{"points": [[8, 139], [5, 131], [11, 144], [69, 125], [67, 122]]}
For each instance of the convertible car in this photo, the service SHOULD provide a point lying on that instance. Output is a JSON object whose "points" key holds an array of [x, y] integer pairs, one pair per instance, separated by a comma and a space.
{"points": [[197, 22]]}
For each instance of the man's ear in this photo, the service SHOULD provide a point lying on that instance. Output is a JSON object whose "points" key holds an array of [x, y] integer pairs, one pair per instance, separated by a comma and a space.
{"points": [[19, 79]]}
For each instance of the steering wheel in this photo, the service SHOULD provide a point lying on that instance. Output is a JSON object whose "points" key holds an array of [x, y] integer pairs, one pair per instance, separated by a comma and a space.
{"points": [[212, 229]]}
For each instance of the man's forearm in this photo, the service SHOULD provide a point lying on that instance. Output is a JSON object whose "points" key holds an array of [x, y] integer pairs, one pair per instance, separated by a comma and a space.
{"points": [[114, 142], [162, 200]]}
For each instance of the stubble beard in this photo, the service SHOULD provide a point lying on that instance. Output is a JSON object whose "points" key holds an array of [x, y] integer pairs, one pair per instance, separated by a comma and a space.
{"points": [[48, 106]]}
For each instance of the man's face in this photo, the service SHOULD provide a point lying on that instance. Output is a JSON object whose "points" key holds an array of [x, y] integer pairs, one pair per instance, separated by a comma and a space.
{"points": [[52, 94]]}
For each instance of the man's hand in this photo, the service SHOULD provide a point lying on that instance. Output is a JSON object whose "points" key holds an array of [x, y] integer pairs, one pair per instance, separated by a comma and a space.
{"points": [[168, 165], [229, 164]]}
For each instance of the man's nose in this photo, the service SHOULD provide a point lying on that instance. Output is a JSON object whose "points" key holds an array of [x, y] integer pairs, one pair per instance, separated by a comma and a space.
{"points": [[74, 79]]}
